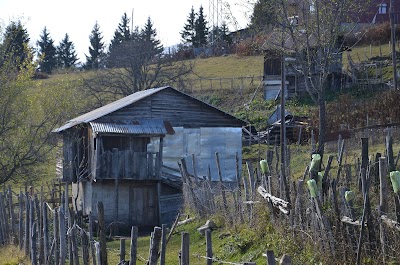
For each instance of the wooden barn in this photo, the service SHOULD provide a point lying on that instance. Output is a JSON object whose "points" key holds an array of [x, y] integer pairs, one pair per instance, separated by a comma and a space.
{"points": [[125, 154]]}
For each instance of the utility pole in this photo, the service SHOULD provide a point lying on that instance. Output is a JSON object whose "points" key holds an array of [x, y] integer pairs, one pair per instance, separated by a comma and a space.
{"points": [[393, 40]]}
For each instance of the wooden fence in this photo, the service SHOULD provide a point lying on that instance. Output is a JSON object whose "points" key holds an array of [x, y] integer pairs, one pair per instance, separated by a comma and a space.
{"points": [[347, 210], [57, 236]]}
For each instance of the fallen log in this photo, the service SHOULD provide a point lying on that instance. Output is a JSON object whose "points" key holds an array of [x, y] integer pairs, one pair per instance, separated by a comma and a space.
{"points": [[391, 223]]}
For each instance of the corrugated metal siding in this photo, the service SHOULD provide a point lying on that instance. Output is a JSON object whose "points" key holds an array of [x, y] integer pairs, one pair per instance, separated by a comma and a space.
{"points": [[149, 127]]}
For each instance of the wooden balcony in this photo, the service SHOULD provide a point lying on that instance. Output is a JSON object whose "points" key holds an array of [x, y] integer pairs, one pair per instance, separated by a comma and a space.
{"points": [[127, 164]]}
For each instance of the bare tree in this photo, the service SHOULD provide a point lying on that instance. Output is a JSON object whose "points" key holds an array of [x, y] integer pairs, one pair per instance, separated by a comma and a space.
{"points": [[25, 123], [136, 65], [309, 37]]}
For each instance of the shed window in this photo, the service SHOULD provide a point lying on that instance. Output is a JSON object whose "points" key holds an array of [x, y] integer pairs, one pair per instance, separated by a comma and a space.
{"points": [[382, 8]]}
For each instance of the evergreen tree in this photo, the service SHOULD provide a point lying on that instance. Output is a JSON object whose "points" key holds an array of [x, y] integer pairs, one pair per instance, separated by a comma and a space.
{"points": [[188, 33], [47, 52], [122, 33], [201, 29], [264, 15], [96, 50], [15, 45], [66, 53], [149, 38]]}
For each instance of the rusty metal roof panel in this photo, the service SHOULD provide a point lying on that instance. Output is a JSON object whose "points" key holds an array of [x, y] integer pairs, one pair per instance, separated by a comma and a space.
{"points": [[147, 127]]}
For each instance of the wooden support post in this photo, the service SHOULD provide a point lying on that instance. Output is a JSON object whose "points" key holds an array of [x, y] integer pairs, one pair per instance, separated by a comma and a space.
{"points": [[383, 205], [31, 220], [163, 244], [154, 246], [209, 247], [102, 229], [185, 249], [115, 174], [133, 252], [389, 152]]}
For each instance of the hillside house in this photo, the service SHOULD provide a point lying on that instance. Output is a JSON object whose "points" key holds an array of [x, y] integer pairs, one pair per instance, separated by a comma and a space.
{"points": [[125, 153]]}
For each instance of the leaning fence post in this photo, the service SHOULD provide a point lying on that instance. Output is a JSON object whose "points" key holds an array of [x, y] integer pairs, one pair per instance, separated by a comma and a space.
{"points": [[185, 249], [91, 242], [133, 252], [209, 247]]}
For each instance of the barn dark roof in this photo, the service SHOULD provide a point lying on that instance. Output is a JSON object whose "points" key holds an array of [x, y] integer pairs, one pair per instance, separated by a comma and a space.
{"points": [[130, 100]]}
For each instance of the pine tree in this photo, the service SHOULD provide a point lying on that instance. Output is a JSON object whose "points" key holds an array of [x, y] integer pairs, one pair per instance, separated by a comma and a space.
{"points": [[201, 29], [264, 15], [15, 44], [149, 37], [189, 31], [122, 33], [66, 53], [47, 52], [96, 50]]}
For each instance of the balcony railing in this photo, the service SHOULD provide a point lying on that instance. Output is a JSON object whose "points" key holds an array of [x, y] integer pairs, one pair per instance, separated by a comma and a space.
{"points": [[127, 164]]}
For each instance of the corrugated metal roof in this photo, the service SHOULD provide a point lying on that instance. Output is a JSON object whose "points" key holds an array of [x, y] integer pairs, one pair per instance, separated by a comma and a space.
{"points": [[123, 102], [148, 127], [109, 108]]}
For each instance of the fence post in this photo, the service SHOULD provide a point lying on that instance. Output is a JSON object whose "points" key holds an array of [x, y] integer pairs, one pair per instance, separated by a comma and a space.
{"points": [[91, 242], [33, 244], [74, 243], [46, 246], [382, 202], [12, 216], [85, 247], [122, 250], [163, 243], [20, 223], [270, 257], [102, 229], [185, 249], [209, 247], [56, 241], [26, 243], [154, 245], [133, 252], [61, 230]]}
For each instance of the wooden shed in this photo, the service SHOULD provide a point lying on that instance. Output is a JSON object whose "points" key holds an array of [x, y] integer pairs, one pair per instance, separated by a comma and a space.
{"points": [[125, 153]]}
